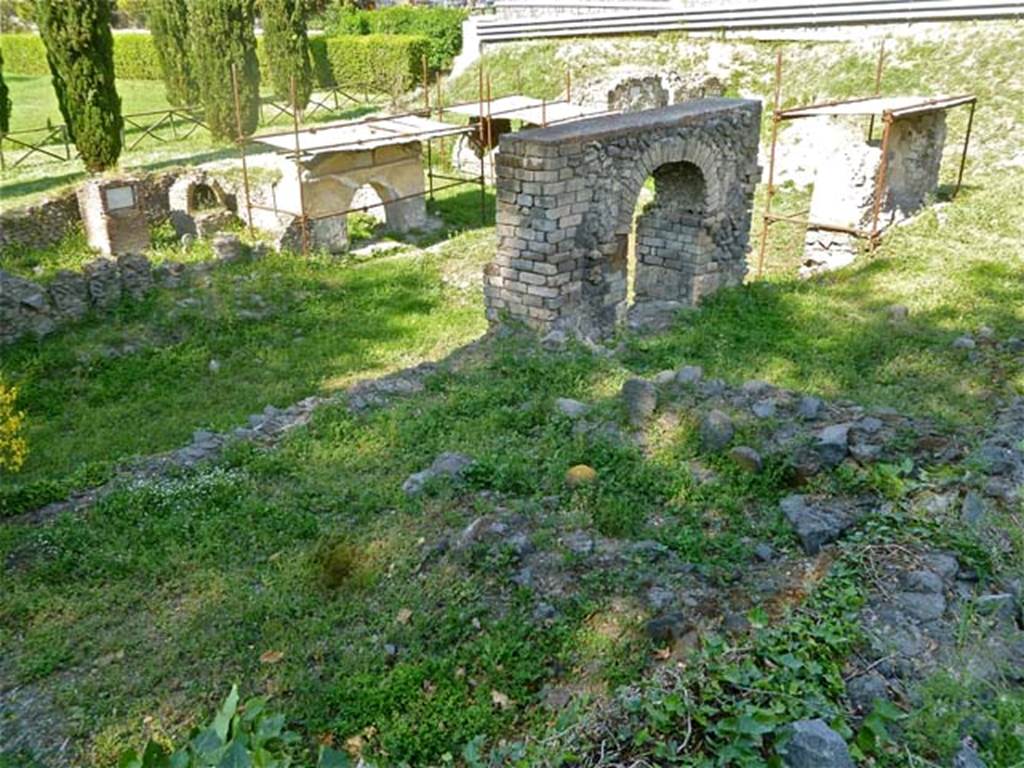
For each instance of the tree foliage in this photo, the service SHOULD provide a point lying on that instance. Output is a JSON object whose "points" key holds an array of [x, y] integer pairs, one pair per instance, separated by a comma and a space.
{"points": [[5, 100], [284, 34], [222, 39], [169, 25], [80, 52]]}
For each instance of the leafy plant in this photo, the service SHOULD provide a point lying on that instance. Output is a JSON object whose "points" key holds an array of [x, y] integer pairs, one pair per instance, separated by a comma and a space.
{"points": [[168, 22], [249, 736]]}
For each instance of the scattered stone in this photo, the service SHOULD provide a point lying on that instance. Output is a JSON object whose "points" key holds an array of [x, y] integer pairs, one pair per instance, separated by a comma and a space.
{"points": [[833, 444], [570, 408], [690, 374], [641, 398], [815, 523], [964, 342], [756, 387], [716, 431], [663, 378], [544, 612], [812, 744], [660, 598], [1002, 606], [809, 407], [764, 409], [747, 458], [973, 510], [764, 552], [923, 581], [227, 247], [986, 333], [946, 566], [898, 313], [968, 757], [922, 606], [450, 465], [666, 629], [700, 473], [555, 340], [580, 475], [865, 690], [736, 623], [578, 542]]}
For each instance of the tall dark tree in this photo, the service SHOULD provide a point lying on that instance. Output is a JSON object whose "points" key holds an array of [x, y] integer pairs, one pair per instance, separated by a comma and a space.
{"points": [[80, 51], [287, 48], [168, 22], [223, 37], [5, 100]]}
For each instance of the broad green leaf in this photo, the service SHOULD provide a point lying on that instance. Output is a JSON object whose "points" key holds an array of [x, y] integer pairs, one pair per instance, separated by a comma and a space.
{"points": [[129, 759], [207, 741], [235, 757], [222, 722], [333, 758], [154, 756]]}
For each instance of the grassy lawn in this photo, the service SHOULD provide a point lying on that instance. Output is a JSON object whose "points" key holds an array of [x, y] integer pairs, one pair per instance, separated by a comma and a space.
{"points": [[306, 574], [35, 107]]}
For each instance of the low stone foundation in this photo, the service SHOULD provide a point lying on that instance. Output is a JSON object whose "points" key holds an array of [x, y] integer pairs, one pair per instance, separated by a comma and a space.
{"points": [[31, 309], [566, 199]]}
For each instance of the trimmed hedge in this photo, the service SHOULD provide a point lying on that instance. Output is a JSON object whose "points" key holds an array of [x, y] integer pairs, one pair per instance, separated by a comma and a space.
{"points": [[134, 55], [376, 63], [442, 27], [389, 64]]}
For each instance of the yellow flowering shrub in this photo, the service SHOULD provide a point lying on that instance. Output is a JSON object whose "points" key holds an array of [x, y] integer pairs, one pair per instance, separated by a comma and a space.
{"points": [[13, 447]]}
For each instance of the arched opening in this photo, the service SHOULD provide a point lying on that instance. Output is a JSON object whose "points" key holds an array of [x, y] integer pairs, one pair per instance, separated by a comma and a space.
{"points": [[203, 197], [668, 245], [369, 215]]}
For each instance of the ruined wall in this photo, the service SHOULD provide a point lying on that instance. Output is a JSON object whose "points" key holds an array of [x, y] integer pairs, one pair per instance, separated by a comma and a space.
{"points": [[844, 187], [30, 309], [566, 199]]}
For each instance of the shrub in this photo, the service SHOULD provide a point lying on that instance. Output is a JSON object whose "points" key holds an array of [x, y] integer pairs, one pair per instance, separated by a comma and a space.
{"points": [[168, 23], [80, 51], [5, 100], [249, 735], [24, 54], [441, 26], [12, 445], [388, 64], [222, 37], [135, 57], [287, 49]]}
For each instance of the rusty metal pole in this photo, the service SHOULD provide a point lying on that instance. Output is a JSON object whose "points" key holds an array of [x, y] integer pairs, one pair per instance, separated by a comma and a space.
{"points": [[963, 155], [430, 144], [878, 86], [770, 192], [490, 128], [298, 171], [483, 150], [883, 168], [241, 148]]}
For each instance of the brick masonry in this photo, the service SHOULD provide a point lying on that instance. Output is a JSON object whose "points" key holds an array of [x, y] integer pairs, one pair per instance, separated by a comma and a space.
{"points": [[566, 201]]}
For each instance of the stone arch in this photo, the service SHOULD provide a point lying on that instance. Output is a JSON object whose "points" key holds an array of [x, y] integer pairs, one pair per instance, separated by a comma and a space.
{"points": [[566, 200]]}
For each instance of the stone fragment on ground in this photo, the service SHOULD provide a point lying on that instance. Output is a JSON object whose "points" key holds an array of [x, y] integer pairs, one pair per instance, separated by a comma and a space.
{"points": [[641, 399], [447, 465], [716, 431], [818, 520], [812, 744]]}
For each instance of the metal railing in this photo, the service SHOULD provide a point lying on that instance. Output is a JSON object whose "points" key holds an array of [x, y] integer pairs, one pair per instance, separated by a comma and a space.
{"points": [[52, 143], [725, 16]]}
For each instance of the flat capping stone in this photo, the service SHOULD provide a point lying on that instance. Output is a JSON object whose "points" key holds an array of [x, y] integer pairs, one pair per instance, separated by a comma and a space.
{"points": [[610, 126]]}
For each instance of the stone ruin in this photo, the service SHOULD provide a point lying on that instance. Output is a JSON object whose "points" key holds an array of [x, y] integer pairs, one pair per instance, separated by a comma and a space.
{"points": [[199, 205], [566, 202], [845, 181], [113, 215], [629, 89]]}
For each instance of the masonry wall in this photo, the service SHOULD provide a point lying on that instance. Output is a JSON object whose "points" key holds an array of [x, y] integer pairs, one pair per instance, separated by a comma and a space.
{"points": [[566, 199]]}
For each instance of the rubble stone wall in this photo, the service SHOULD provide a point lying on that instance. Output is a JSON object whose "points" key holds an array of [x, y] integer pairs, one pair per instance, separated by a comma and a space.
{"points": [[566, 201]]}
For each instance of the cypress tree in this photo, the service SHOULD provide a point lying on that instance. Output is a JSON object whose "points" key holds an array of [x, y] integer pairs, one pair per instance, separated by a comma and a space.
{"points": [[5, 100], [80, 52], [287, 48], [222, 36], [168, 23]]}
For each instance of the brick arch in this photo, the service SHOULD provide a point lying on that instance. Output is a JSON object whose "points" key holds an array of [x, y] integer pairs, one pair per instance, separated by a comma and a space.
{"points": [[566, 199], [672, 151]]}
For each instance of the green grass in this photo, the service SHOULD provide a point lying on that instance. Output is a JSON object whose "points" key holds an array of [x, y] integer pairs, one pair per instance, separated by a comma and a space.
{"points": [[136, 616]]}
